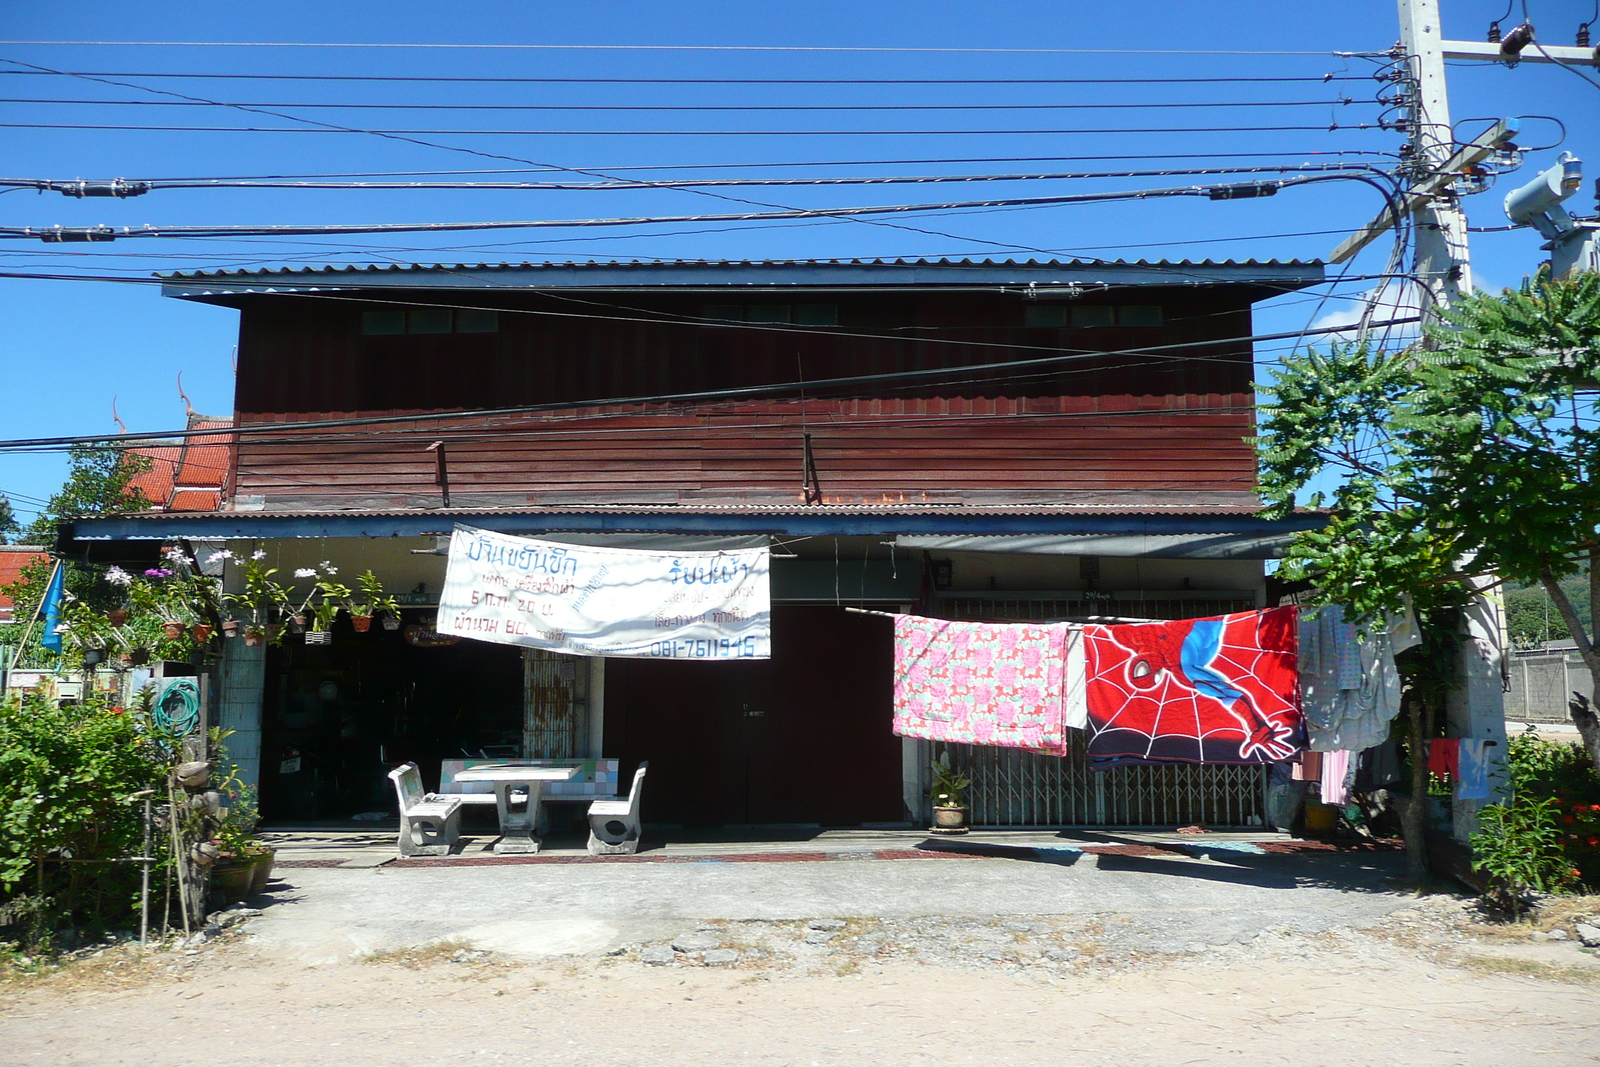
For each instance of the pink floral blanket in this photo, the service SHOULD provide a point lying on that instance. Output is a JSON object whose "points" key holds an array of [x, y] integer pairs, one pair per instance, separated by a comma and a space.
{"points": [[981, 683]]}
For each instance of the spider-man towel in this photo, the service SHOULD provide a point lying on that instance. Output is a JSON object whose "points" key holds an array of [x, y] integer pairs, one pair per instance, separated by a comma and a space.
{"points": [[1218, 690]]}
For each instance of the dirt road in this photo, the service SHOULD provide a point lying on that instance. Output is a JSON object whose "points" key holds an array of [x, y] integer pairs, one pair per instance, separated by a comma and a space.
{"points": [[1422, 987]]}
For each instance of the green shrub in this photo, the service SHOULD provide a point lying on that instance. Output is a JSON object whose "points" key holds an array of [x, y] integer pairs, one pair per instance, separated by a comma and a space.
{"points": [[1546, 838], [68, 779]]}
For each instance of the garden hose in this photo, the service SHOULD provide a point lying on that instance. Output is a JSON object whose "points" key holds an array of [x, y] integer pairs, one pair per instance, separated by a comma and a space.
{"points": [[177, 709]]}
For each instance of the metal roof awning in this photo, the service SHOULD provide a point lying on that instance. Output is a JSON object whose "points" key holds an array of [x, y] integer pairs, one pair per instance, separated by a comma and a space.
{"points": [[1195, 533], [1255, 544]]}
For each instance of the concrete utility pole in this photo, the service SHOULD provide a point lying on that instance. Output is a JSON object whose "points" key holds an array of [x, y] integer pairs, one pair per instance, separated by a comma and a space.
{"points": [[1442, 272]]}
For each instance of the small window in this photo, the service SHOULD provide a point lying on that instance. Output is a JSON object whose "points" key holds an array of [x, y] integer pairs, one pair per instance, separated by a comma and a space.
{"points": [[723, 312], [382, 322], [816, 315], [1139, 315], [1049, 316], [1092, 315], [476, 320], [767, 313], [428, 320]]}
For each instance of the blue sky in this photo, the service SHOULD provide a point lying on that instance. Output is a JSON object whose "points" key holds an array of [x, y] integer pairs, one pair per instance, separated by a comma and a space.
{"points": [[69, 347]]}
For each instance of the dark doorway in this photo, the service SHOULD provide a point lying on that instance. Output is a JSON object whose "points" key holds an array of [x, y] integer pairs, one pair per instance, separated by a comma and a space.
{"points": [[338, 717], [804, 737]]}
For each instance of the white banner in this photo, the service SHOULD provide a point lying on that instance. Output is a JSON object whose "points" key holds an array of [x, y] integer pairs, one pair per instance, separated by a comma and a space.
{"points": [[591, 601]]}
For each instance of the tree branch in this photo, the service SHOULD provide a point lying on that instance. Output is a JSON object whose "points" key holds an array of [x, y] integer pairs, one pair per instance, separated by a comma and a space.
{"points": [[1570, 614]]}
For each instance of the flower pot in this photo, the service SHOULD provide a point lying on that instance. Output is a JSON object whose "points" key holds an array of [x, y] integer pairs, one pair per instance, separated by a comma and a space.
{"points": [[254, 637], [391, 623], [93, 657], [117, 616], [361, 623], [297, 624], [230, 628], [231, 878], [205, 854], [261, 873], [948, 820], [137, 657], [200, 632], [318, 637], [173, 630]]}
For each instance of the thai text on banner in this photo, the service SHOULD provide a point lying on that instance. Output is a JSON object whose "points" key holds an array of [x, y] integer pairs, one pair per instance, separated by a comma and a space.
{"points": [[593, 601]]}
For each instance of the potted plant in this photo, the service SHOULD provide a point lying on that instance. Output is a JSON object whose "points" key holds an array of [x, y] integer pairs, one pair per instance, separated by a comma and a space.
{"points": [[949, 794], [373, 600], [262, 599]]}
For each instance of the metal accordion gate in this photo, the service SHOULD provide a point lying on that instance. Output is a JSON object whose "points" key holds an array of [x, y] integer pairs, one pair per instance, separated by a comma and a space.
{"points": [[1011, 787]]}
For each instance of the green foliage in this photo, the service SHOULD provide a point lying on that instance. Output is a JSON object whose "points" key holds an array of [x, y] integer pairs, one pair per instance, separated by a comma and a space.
{"points": [[9, 527], [68, 779], [374, 599], [1531, 617], [1473, 449], [949, 788], [99, 481], [1546, 838]]}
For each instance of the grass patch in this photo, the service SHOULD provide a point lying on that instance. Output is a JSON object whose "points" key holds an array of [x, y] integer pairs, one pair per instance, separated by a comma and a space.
{"points": [[1505, 965], [429, 955]]}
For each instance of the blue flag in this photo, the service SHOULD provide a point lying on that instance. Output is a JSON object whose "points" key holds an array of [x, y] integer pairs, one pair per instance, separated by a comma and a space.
{"points": [[52, 609]]}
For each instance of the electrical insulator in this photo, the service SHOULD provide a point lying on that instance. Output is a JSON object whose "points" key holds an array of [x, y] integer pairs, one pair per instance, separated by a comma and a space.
{"points": [[1514, 42], [1583, 35], [1494, 33]]}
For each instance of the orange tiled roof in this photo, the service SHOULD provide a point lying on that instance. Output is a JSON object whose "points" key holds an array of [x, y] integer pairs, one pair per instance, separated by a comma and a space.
{"points": [[192, 475], [12, 559]]}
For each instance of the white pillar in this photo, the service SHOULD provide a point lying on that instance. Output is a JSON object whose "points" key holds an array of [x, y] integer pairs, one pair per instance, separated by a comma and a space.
{"points": [[1477, 706]]}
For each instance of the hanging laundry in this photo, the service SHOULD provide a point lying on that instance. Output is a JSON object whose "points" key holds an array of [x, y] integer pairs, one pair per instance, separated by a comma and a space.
{"points": [[982, 683], [1473, 762], [1308, 768], [1444, 757], [1336, 774], [1217, 690], [1340, 716]]}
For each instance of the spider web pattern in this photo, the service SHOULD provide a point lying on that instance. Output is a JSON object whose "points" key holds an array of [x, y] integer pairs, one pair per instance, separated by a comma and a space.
{"points": [[1219, 690]]}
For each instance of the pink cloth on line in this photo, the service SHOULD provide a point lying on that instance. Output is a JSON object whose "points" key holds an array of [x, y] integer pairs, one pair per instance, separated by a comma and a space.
{"points": [[979, 683], [1335, 769]]}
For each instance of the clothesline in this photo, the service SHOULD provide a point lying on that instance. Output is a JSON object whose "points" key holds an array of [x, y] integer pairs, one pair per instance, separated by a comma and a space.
{"points": [[1097, 619]]}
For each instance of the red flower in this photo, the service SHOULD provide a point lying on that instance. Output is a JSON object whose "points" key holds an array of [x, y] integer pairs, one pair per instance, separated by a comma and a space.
{"points": [[116, 711], [1593, 840], [1566, 818]]}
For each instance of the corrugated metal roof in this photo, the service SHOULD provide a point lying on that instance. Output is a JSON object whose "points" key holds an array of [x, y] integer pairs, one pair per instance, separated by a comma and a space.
{"points": [[712, 274], [975, 511]]}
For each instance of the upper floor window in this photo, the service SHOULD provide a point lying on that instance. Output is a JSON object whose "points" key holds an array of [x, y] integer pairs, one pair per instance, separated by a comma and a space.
{"points": [[796, 314], [1080, 316], [429, 320]]}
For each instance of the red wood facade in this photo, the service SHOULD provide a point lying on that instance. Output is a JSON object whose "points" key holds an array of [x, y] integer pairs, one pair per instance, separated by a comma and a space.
{"points": [[1095, 400]]}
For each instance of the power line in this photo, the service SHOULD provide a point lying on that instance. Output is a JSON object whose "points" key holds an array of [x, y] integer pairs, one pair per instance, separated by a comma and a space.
{"points": [[274, 429], [509, 80], [109, 233], [792, 164], [126, 187], [693, 48], [407, 132], [367, 106]]}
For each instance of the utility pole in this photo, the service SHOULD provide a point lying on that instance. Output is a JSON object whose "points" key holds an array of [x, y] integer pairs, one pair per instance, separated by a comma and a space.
{"points": [[1442, 268]]}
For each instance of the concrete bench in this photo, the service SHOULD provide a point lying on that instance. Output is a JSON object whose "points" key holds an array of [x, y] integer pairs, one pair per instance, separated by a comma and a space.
{"points": [[430, 824], [614, 825], [595, 778]]}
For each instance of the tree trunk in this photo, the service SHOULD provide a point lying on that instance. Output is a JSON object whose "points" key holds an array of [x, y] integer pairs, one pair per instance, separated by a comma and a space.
{"points": [[1414, 817], [1582, 711]]}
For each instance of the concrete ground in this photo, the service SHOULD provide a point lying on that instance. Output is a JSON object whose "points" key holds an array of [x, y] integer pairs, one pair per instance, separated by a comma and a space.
{"points": [[828, 950], [1221, 889]]}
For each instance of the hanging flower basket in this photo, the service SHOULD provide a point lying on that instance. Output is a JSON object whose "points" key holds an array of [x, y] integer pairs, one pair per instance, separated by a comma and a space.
{"points": [[173, 630], [230, 628], [319, 637], [117, 616], [93, 657], [391, 623], [136, 657], [297, 624], [200, 632], [362, 623], [255, 637]]}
